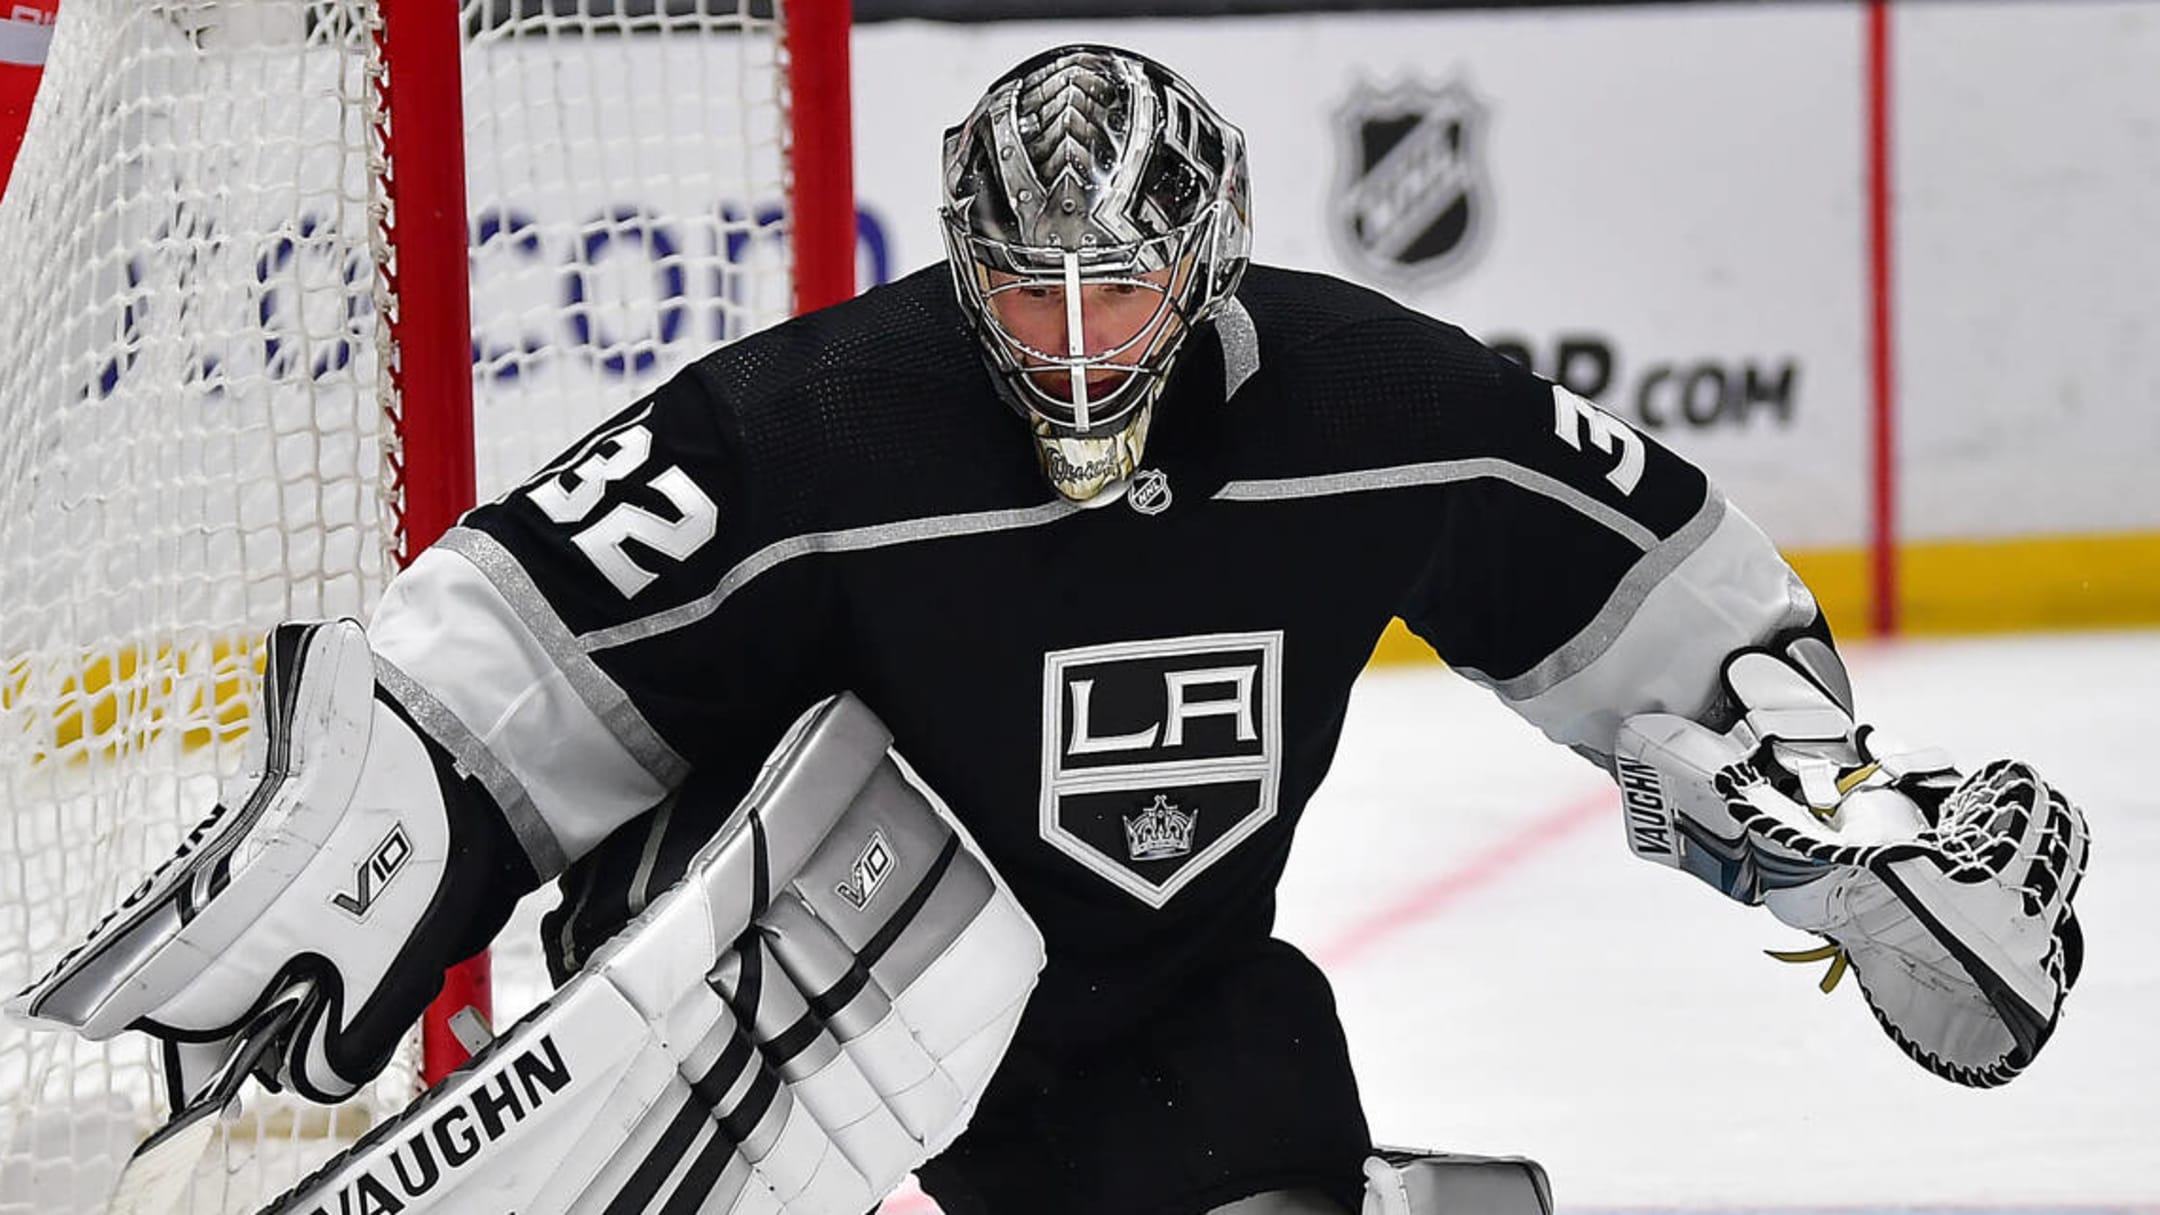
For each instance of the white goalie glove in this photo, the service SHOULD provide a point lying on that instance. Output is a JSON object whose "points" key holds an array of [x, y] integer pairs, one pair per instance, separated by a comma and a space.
{"points": [[1949, 899], [306, 922], [811, 1012]]}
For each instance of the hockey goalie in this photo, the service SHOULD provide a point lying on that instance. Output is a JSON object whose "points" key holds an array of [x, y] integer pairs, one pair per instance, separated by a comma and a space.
{"points": [[1102, 521]]}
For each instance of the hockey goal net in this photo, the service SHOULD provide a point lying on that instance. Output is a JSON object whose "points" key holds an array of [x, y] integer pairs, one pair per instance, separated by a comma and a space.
{"points": [[234, 367]]}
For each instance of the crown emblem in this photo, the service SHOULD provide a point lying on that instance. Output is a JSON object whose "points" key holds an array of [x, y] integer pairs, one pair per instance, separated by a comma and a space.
{"points": [[1159, 832]]}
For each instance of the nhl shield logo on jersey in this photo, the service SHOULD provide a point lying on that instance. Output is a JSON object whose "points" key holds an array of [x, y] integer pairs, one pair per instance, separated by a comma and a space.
{"points": [[1410, 204], [1150, 492], [1160, 757]]}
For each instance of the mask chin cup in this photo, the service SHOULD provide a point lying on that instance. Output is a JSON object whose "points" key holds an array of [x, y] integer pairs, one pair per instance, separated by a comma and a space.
{"points": [[1083, 469]]}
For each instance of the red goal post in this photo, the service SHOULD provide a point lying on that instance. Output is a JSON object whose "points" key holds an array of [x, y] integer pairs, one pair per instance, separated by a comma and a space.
{"points": [[426, 224]]}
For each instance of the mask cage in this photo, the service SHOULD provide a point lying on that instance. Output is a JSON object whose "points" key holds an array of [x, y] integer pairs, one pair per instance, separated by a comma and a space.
{"points": [[1193, 295]]}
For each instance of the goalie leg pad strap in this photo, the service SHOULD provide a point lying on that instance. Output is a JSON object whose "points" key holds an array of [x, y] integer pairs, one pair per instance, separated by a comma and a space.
{"points": [[799, 1059]]}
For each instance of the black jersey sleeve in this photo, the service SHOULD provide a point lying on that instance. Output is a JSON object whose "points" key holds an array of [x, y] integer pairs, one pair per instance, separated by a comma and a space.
{"points": [[1584, 571], [583, 642]]}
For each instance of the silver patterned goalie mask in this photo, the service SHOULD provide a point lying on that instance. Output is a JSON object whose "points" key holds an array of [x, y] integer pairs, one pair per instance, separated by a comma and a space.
{"points": [[1095, 214]]}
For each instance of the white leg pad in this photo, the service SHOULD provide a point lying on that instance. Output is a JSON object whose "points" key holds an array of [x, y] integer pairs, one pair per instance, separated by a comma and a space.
{"points": [[800, 1062]]}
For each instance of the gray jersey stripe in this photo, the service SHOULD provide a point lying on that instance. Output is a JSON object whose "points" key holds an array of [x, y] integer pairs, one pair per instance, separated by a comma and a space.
{"points": [[854, 539], [532, 831], [1662, 639], [909, 531], [1441, 472], [1596, 637], [601, 694]]}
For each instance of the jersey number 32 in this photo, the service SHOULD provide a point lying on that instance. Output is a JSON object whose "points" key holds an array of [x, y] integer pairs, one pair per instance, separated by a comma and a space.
{"points": [[574, 493]]}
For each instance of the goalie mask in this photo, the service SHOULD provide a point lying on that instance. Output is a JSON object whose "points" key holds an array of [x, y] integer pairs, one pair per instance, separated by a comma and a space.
{"points": [[1095, 213]]}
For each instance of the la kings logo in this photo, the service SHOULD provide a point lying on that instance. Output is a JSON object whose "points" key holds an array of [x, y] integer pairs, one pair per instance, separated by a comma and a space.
{"points": [[1160, 757], [1411, 200]]}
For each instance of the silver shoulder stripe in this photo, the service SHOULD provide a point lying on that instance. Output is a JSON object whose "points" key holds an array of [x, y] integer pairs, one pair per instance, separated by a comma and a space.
{"points": [[1596, 637], [1440, 472], [601, 694], [526, 823], [847, 540], [1663, 636]]}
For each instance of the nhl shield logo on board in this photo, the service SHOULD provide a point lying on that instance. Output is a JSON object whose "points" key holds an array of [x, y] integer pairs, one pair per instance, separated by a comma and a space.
{"points": [[1160, 756], [1411, 200]]}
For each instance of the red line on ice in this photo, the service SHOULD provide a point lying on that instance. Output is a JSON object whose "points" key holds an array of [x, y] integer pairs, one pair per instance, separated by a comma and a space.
{"points": [[1447, 889]]}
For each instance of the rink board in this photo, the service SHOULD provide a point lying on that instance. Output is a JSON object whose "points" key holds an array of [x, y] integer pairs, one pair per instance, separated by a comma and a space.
{"points": [[1671, 217]]}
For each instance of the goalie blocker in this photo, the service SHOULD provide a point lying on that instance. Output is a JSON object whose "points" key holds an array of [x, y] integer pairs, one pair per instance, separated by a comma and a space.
{"points": [[811, 1012], [306, 921]]}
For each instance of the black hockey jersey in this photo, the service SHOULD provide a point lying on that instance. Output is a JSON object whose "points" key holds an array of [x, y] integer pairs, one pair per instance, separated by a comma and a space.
{"points": [[1128, 704]]}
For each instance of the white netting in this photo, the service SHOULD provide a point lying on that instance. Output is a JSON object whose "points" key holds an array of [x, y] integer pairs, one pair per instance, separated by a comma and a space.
{"points": [[191, 445], [624, 175]]}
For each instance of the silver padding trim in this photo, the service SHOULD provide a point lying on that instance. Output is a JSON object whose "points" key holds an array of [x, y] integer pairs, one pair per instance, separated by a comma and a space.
{"points": [[603, 695], [446, 624], [1815, 656], [726, 1193], [1240, 346], [1441, 472], [649, 856], [566, 940], [1660, 645], [854, 539], [953, 906], [474, 758]]}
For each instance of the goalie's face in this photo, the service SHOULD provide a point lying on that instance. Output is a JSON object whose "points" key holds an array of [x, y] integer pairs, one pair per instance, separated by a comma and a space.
{"points": [[1080, 345]]}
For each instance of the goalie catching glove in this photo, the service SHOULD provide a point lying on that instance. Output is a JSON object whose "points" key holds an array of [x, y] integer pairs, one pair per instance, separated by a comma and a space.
{"points": [[811, 1012], [1950, 899], [305, 924]]}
